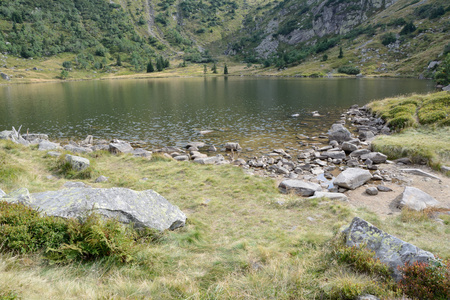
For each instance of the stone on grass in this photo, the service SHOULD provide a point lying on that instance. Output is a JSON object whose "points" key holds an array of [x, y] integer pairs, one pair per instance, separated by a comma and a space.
{"points": [[300, 187], [143, 209], [181, 158], [388, 249], [372, 191], [211, 160], [339, 133], [118, 147], [139, 152], [352, 178], [53, 153], [21, 196], [101, 179], [77, 149], [331, 196], [47, 145], [415, 199], [78, 163]]}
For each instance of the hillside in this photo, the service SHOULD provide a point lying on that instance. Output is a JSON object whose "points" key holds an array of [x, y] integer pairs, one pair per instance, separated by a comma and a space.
{"points": [[393, 37]]}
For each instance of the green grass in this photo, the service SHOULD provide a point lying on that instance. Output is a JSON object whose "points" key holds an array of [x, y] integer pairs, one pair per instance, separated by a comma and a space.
{"points": [[237, 243], [422, 125]]}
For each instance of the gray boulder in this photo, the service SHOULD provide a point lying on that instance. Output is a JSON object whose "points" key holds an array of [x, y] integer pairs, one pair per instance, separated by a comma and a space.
{"points": [[47, 145], [334, 154], [415, 199], [142, 209], [372, 191], [331, 196], [196, 144], [101, 179], [54, 153], [118, 147], [339, 133], [375, 157], [34, 136], [78, 163], [211, 160], [446, 88], [383, 188], [21, 195], [76, 149], [352, 178], [359, 152], [300, 187], [181, 158], [139, 152], [349, 147], [233, 146], [5, 76], [388, 249], [366, 135], [419, 172]]}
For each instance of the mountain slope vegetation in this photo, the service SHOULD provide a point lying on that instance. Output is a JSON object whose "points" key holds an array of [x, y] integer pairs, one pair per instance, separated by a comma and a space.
{"points": [[309, 37]]}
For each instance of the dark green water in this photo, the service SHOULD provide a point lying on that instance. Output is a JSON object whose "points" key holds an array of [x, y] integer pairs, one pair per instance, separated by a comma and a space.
{"points": [[256, 112]]}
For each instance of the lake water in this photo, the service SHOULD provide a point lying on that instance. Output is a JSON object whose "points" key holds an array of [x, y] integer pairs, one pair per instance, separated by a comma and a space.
{"points": [[256, 112]]}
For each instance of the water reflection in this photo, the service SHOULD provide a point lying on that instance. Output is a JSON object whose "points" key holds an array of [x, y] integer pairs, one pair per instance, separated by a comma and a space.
{"points": [[252, 111]]}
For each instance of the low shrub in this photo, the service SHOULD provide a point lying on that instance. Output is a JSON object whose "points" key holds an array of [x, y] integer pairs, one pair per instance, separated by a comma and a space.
{"points": [[426, 281], [388, 38], [363, 260], [349, 70], [23, 230]]}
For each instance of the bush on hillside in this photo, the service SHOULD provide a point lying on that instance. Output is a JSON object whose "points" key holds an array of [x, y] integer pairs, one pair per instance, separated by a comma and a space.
{"points": [[350, 70], [442, 75], [408, 28], [388, 38]]}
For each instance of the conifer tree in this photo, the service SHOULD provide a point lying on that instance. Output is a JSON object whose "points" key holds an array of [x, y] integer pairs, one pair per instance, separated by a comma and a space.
{"points": [[214, 68], [341, 53], [150, 67], [119, 61], [160, 64], [205, 70], [225, 70]]}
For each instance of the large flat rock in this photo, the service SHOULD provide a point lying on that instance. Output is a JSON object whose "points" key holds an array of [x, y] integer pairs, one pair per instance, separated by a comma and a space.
{"points": [[352, 178], [415, 199], [143, 209], [300, 187], [391, 250]]}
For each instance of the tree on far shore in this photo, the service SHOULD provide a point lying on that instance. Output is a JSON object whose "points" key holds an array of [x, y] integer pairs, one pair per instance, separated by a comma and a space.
{"points": [[150, 68], [225, 70]]}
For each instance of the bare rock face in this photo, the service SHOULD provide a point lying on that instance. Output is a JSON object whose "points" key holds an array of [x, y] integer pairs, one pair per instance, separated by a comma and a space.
{"points": [[388, 249], [143, 209], [78, 163], [415, 199], [352, 178]]}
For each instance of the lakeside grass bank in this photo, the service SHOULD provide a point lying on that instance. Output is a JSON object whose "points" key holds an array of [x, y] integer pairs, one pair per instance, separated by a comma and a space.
{"points": [[239, 242]]}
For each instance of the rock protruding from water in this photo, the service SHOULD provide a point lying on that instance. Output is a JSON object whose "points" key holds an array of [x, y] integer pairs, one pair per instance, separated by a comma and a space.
{"points": [[142, 209], [339, 133], [78, 163], [415, 199], [352, 178], [388, 249], [300, 187]]}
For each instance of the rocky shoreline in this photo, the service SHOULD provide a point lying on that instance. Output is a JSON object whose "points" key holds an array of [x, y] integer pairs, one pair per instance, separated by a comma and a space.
{"points": [[346, 163]]}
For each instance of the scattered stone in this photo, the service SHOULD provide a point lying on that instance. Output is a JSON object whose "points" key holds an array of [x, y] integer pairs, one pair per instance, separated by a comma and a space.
{"points": [[445, 169], [47, 145], [78, 163], [5, 76], [21, 196], [339, 133], [118, 147], [366, 135], [212, 148], [383, 188], [34, 136], [334, 154], [349, 147], [209, 160], [101, 179], [331, 196], [233, 146], [367, 297], [192, 148], [181, 158], [352, 178], [372, 191], [76, 149], [359, 152], [139, 152], [403, 160], [388, 249], [419, 173], [195, 144], [375, 157], [203, 132], [415, 199], [75, 184], [89, 140], [53, 153], [300, 187], [143, 209]]}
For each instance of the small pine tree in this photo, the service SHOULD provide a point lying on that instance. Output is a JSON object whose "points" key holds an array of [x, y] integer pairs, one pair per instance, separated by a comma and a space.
{"points": [[160, 64], [214, 68], [205, 70], [150, 67], [166, 63], [324, 57], [225, 70], [341, 53], [119, 61]]}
